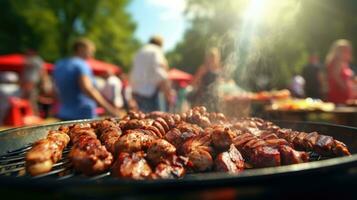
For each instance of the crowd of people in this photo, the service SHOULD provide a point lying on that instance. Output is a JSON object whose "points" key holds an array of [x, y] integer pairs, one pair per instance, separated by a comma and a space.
{"points": [[148, 87]]}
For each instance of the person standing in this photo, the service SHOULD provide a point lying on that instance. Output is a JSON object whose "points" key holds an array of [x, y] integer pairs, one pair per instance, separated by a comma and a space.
{"points": [[313, 75], [204, 81], [149, 76], [34, 78], [74, 80], [339, 74], [112, 90]]}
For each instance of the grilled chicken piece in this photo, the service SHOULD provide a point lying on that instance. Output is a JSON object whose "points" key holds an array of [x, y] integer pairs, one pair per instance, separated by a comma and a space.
{"points": [[136, 124], [230, 161], [178, 137], [199, 153], [159, 151], [131, 166], [133, 141], [87, 154], [200, 159], [173, 167], [46, 152], [108, 133], [222, 137]]}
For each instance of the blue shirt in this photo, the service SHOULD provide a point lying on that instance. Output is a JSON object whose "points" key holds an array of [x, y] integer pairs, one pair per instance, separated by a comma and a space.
{"points": [[74, 104]]}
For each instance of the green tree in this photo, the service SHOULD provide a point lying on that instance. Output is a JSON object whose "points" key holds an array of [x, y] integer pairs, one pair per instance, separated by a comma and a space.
{"points": [[51, 26]]}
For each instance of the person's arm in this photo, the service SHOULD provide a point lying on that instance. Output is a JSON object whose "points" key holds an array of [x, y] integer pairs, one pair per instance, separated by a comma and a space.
{"points": [[88, 88]]}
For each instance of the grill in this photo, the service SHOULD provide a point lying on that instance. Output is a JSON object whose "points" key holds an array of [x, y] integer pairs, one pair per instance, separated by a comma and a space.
{"points": [[13, 164], [15, 143]]}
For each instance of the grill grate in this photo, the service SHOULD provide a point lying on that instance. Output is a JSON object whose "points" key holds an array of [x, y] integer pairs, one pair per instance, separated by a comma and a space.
{"points": [[13, 164]]}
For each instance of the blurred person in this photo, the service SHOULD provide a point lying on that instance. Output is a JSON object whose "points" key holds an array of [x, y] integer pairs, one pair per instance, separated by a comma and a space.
{"points": [[8, 88], [74, 79], [34, 78], [149, 76], [314, 78], [127, 93], [339, 74], [207, 74], [297, 86], [112, 90]]}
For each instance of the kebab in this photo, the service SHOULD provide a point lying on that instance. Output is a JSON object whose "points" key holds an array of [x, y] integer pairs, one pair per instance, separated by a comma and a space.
{"points": [[46, 152]]}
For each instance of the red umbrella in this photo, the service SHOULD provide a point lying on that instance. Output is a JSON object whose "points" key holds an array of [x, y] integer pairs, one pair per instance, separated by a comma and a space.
{"points": [[178, 75], [100, 68], [181, 77], [16, 63]]}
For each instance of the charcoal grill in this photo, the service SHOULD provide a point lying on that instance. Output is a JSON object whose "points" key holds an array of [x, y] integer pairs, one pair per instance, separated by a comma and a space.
{"points": [[16, 142]]}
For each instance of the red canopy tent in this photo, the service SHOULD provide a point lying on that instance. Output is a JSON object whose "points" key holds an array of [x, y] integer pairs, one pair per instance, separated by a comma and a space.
{"points": [[183, 78], [16, 62]]}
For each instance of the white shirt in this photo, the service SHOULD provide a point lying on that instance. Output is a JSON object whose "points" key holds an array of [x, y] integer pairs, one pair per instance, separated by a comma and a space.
{"points": [[112, 91], [148, 70]]}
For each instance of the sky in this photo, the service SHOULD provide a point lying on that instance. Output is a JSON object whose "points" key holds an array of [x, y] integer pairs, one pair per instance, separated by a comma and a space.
{"points": [[162, 17]]}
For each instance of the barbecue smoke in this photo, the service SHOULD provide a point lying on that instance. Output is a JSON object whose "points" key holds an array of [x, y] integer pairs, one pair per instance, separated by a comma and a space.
{"points": [[261, 29]]}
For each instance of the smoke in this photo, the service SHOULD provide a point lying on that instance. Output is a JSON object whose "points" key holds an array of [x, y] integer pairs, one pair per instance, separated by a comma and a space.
{"points": [[263, 29], [251, 46]]}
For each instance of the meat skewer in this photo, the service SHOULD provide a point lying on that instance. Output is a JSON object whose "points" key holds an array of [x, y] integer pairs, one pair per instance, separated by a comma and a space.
{"points": [[46, 152], [322, 144], [87, 154], [108, 133]]}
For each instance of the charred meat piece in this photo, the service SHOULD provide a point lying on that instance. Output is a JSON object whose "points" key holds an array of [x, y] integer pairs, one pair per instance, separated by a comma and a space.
{"points": [[230, 161], [131, 166], [256, 151], [265, 156], [291, 156], [222, 137], [133, 141], [108, 133], [46, 152], [199, 152], [200, 159], [87, 154], [136, 124], [159, 151], [322, 144], [173, 167], [177, 137]]}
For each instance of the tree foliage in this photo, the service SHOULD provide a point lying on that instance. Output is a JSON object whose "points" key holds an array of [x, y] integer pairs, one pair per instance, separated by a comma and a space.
{"points": [[264, 53], [51, 26]]}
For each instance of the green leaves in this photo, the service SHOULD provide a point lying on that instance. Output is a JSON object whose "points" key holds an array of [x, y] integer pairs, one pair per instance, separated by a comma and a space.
{"points": [[51, 26]]}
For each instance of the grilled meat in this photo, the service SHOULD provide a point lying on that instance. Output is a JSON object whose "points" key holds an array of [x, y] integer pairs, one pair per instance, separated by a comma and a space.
{"points": [[46, 152], [87, 154], [131, 166], [135, 140], [108, 133], [159, 151], [160, 145], [230, 161]]}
